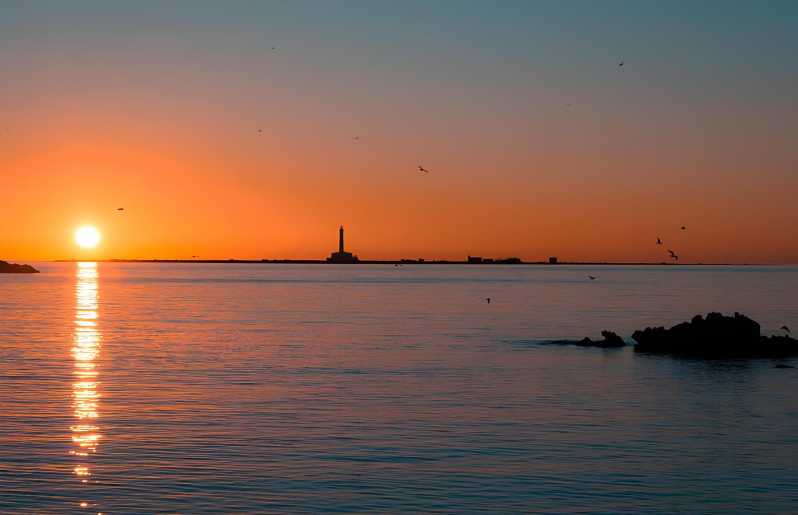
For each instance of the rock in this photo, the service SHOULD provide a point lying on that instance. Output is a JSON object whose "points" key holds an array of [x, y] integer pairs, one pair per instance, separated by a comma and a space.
{"points": [[610, 341], [782, 365], [714, 336], [12, 268]]}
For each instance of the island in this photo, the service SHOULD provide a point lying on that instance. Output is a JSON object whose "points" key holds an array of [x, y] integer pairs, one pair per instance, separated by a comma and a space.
{"points": [[13, 268]]}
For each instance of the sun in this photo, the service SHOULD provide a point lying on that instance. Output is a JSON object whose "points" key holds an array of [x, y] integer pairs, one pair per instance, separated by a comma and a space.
{"points": [[87, 236]]}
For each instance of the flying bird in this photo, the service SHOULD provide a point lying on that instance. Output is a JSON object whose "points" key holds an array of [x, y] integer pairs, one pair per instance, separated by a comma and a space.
{"points": [[592, 277], [786, 329], [487, 299], [621, 63], [659, 241], [120, 209], [673, 254], [357, 138], [684, 228], [422, 169]]}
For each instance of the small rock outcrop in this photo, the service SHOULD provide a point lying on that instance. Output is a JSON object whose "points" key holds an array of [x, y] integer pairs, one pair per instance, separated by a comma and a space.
{"points": [[715, 335], [12, 268], [610, 340]]}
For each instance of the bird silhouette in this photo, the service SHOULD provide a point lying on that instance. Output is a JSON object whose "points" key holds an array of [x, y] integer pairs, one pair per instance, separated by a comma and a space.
{"points": [[357, 138], [422, 169], [621, 63], [684, 228], [487, 299], [673, 255], [120, 209], [786, 329], [659, 241], [592, 278]]}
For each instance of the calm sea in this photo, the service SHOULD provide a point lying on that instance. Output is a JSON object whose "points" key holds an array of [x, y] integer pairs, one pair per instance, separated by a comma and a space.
{"points": [[168, 388]]}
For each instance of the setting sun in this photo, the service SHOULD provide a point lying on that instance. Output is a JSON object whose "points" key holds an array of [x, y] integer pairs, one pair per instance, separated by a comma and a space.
{"points": [[87, 237]]}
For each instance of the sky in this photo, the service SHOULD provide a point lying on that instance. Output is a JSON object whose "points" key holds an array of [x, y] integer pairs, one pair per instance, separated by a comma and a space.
{"points": [[538, 143]]}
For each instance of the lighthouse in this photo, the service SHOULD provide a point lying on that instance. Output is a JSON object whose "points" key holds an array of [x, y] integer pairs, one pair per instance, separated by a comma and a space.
{"points": [[342, 256]]}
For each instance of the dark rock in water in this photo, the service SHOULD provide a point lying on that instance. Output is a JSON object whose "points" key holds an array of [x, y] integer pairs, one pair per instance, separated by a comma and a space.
{"points": [[11, 268], [782, 365], [714, 336], [611, 340]]}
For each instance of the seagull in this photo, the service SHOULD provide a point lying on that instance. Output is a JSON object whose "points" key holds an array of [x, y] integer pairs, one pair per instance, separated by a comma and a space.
{"points": [[621, 63], [684, 228], [673, 254], [422, 169], [274, 48], [659, 241], [487, 299], [357, 138], [592, 278], [120, 209], [786, 329]]}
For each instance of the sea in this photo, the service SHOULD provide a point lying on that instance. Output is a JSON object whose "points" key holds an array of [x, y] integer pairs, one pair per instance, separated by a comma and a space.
{"points": [[280, 388]]}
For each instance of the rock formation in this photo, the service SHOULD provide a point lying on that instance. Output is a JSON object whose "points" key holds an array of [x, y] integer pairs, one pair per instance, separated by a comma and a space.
{"points": [[12, 268], [715, 335], [610, 340]]}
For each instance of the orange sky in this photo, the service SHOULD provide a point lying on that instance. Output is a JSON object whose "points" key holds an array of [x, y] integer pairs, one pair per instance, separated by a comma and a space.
{"points": [[529, 156]]}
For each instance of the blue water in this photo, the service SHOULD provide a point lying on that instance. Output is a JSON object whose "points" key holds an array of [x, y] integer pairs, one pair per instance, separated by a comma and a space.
{"points": [[144, 388]]}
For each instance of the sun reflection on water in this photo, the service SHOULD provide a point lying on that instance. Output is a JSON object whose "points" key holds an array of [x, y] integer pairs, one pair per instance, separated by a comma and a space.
{"points": [[85, 350]]}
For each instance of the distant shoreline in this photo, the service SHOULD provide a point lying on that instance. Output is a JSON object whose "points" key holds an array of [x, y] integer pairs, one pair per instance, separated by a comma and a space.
{"points": [[399, 262]]}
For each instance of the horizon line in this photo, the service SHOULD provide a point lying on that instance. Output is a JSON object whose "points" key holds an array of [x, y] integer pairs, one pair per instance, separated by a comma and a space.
{"points": [[406, 261]]}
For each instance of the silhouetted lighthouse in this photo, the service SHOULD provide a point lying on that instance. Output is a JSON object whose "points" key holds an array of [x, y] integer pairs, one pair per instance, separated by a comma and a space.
{"points": [[341, 256]]}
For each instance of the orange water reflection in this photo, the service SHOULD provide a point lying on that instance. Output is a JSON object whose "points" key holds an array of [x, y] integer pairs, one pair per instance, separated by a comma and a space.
{"points": [[85, 350]]}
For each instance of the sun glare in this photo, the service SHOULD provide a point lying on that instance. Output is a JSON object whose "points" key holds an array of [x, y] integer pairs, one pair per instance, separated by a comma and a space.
{"points": [[87, 237]]}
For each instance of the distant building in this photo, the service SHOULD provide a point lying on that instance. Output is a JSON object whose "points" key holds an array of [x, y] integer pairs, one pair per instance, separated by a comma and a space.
{"points": [[474, 260], [553, 260], [342, 256]]}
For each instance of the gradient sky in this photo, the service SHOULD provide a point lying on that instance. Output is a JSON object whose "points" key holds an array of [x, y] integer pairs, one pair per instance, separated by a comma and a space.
{"points": [[538, 143]]}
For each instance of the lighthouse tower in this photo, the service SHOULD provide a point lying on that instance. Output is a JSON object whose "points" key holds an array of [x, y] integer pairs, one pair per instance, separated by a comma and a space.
{"points": [[342, 256]]}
